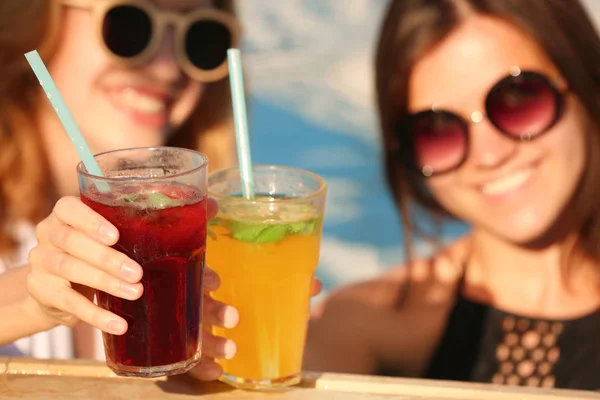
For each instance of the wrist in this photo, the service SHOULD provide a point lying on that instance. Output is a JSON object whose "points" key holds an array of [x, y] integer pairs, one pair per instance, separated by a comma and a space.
{"points": [[38, 320], [21, 319]]}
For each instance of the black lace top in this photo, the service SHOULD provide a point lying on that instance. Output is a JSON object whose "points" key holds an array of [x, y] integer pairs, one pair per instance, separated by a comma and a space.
{"points": [[483, 344]]}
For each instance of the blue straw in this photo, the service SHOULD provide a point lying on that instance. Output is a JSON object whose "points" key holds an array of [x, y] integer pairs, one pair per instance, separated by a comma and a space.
{"points": [[41, 72], [236, 81]]}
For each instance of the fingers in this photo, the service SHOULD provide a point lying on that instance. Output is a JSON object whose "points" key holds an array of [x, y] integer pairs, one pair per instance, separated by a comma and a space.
{"points": [[207, 370], [73, 253], [72, 211], [83, 247], [78, 271], [212, 281], [219, 314], [52, 292], [212, 208], [218, 347], [316, 287]]}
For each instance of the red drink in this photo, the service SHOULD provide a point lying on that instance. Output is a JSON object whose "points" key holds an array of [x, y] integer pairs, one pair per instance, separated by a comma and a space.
{"points": [[163, 228]]}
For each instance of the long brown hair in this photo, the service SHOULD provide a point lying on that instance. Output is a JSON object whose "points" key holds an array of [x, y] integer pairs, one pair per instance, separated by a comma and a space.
{"points": [[26, 190], [561, 27]]}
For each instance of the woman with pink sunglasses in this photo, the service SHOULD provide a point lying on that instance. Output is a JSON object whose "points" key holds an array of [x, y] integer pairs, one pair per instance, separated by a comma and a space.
{"points": [[134, 73], [490, 113]]}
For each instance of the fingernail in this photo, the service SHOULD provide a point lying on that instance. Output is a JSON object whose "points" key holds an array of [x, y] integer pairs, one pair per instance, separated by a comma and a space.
{"points": [[108, 233], [131, 290], [116, 327], [230, 349], [231, 316], [131, 271]]}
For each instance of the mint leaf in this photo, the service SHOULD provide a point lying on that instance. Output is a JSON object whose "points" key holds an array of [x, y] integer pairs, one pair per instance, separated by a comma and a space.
{"points": [[211, 234], [302, 228], [257, 233], [159, 200], [130, 198], [151, 200], [268, 233], [272, 234]]}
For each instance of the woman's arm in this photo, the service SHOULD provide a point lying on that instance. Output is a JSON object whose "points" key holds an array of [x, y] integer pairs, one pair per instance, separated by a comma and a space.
{"points": [[362, 328], [20, 315], [20, 319], [13, 285], [343, 330]]}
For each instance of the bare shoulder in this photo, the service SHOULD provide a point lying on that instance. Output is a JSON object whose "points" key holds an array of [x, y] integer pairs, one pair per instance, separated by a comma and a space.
{"points": [[361, 326], [426, 277], [410, 332], [434, 281], [343, 326]]}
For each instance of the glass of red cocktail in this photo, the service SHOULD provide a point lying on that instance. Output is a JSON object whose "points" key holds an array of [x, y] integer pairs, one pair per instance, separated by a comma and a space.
{"points": [[156, 198]]}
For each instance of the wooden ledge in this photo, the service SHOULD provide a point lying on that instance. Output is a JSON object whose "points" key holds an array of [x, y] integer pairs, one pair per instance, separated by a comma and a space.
{"points": [[25, 378]]}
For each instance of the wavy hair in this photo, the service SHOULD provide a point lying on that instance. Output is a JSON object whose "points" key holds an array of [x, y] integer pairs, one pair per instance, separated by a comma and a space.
{"points": [[26, 189], [561, 27]]}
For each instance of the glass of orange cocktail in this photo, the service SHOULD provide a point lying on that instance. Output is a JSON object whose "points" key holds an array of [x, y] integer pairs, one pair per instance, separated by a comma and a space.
{"points": [[266, 252]]}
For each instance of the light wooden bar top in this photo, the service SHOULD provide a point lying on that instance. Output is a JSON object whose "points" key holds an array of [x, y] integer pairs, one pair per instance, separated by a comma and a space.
{"points": [[23, 378]]}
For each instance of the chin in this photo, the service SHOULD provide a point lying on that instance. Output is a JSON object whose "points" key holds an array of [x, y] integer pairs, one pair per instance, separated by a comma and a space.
{"points": [[529, 231]]}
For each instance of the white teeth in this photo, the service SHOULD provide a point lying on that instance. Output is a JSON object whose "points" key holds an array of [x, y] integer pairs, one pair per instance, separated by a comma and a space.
{"points": [[140, 103], [507, 183]]}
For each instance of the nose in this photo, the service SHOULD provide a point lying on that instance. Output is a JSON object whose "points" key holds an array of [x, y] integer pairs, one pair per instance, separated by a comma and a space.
{"points": [[489, 148], [164, 65]]}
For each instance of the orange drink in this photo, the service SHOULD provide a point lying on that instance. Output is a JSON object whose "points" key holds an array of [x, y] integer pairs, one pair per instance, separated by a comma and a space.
{"points": [[266, 252]]}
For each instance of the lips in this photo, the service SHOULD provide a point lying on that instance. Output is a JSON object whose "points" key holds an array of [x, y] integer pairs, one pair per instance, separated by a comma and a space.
{"points": [[143, 106], [508, 183], [137, 101]]}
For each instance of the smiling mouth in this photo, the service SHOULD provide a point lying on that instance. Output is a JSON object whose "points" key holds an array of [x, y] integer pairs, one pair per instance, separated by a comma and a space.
{"points": [[508, 183], [138, 102]]}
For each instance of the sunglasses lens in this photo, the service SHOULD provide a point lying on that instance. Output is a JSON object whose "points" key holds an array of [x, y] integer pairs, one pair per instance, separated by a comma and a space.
{"points": [[525, 105], [206, 44], [439, 139], [126, 30]]}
